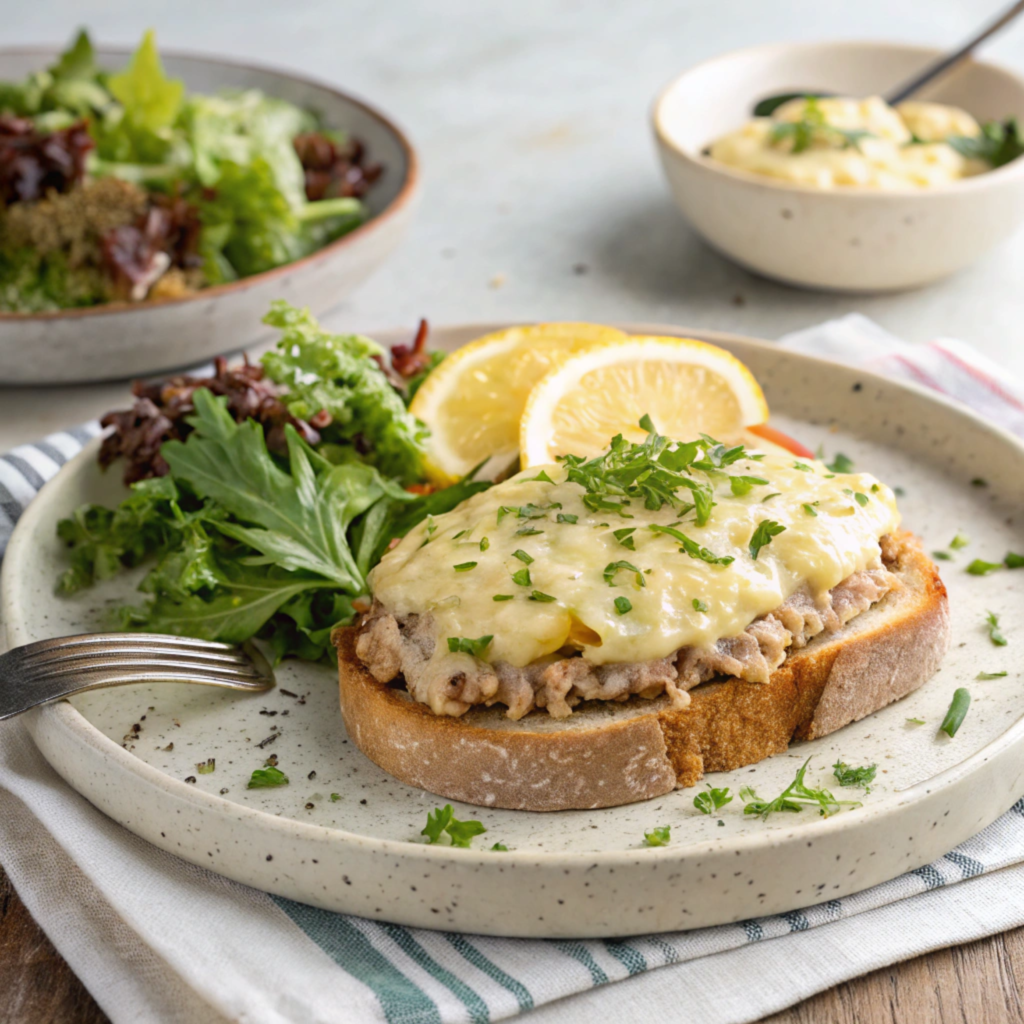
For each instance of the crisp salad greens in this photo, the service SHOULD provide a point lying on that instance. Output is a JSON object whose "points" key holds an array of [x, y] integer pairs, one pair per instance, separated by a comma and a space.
{"points": [[242, 541], [242, 182]]}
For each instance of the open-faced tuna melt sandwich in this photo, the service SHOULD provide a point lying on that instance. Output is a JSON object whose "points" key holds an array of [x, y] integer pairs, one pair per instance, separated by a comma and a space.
{"points": [[600, 631]]}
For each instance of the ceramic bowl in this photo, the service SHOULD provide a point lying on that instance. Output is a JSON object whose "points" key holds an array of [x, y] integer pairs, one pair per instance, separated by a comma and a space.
{"points": [[848, 239], [133, 339]]}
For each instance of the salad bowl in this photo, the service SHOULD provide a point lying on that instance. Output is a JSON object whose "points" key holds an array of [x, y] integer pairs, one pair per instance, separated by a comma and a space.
{"points": [[125, 339]]}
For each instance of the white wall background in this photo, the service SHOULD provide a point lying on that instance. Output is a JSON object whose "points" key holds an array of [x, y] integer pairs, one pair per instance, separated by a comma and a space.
{"points": [[531, 119]]}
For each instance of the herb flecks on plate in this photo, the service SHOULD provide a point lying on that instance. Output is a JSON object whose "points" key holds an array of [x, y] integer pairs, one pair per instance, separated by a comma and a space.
{"points": [[795, 797], [442, 821]]}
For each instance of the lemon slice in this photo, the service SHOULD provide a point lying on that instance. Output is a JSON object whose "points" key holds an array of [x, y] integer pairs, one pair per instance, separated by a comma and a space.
{"points": [[687, 387], [474, 400]]}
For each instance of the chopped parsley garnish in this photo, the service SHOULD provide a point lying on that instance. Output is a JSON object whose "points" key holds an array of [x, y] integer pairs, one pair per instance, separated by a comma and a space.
{"points": [[840, 464], [503, 597], [990, 675], [522, 556], [813, 127], [795, 797], [442, 819], [531, 511], [745, 484], [522, 578], [809, 508], [506, 510], [699, 605], [691, 547], [915, 721], [625, 537], [712, 800], [652, 473], [464, 566], [461, 533], [979, 482], [994, 632], [875, 488], [802, 466], [766, 530], [768, 497], [942, 556], [207, 766], [613, 567], [542, 476], [623, 605], [484, 543], [1013, 561], [861, 499], [999, 142], [539, 595], [335, 797], [658, 836], [899, 492], [499, 848], [267, 778], [847, 776], [528, 531], [957, 712], [982, 568], [464, 645], [961, 540], [565, 517]]}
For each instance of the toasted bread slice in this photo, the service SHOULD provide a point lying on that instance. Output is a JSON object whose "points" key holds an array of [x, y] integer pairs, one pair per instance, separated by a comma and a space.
{"points": [[610, 753]]}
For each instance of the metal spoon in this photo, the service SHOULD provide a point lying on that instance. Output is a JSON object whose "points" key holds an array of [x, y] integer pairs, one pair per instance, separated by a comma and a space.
{"points": [[767, 106]]}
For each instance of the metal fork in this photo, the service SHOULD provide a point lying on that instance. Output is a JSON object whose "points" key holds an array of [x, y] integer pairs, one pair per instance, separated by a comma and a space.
{"points": [[53, 669]]}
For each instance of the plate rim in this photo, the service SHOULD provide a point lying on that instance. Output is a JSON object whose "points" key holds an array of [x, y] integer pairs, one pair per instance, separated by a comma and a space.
{"points": [[70, 718]]}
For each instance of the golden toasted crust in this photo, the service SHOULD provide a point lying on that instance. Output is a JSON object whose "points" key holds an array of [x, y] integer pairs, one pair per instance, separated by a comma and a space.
{"points": [[609, 754]]}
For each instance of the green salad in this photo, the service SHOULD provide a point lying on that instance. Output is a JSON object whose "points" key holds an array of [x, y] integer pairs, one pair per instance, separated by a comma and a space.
{"points": [[261, 496], [122, 185]]}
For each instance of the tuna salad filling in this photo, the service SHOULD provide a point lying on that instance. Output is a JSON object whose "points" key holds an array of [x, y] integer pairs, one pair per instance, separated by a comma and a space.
{"points": [[451, 683]]}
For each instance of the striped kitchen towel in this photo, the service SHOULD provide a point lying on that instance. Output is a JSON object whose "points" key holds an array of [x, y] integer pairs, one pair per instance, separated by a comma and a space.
{"points": [[157, 939]]}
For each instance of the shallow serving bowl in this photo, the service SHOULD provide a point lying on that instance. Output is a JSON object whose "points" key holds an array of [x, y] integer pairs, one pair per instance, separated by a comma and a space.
{"points": [[133, 339], [848, 239]]}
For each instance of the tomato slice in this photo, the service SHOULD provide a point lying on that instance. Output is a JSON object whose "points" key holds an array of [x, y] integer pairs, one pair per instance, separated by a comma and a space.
{"points": [[782, 440]]}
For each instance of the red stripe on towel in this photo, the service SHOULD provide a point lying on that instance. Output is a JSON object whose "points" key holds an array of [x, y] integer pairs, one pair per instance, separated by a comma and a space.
{"points": [[979, 376]]}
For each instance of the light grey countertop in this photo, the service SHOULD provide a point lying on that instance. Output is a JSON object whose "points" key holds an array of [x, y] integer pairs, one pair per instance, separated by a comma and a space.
{"points": [[542, 195]]}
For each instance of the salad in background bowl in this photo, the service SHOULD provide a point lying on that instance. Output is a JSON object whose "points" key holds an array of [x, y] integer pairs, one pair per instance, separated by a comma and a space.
{"points": [[151, 206]]}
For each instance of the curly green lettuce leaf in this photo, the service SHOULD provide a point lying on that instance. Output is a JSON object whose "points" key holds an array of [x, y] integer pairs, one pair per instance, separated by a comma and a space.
{"points": [[102, 541], [337, 374], [239, 126], [150, 99]]}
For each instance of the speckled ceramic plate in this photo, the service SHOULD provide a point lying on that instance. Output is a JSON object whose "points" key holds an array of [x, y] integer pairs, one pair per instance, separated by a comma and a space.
{"points": [[580, 873]]}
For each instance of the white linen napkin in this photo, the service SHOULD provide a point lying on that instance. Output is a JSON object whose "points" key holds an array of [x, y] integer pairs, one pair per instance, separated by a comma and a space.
{"points": [[157, 939]]}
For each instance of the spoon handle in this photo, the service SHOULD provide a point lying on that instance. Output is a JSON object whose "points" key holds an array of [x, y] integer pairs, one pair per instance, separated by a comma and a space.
{"points": [[943, 64]]}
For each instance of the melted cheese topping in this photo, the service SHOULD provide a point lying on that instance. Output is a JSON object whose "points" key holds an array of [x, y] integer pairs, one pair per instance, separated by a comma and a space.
{"points": [[569, 561], [886, 159]]}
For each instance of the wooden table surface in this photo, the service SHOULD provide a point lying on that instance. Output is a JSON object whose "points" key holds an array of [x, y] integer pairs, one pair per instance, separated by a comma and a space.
{"points": [[980, 982]]}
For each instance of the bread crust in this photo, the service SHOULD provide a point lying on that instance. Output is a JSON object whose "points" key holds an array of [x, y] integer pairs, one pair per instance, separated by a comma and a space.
{"points": [[603, 756]]}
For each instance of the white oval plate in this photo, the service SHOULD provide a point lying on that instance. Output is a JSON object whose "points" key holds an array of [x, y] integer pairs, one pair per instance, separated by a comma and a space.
{"points": [[576, 873]]}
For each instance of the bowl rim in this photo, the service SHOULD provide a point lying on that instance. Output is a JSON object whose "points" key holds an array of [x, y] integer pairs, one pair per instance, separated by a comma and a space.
{"points": [[998, 175], [404, 198]]}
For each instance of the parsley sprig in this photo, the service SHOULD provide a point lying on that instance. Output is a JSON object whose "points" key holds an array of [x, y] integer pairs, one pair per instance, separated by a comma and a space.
{"points": [[847, 776], [712, 800], [654, 473], [812, 128], [795, 797], [442, 820]]}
